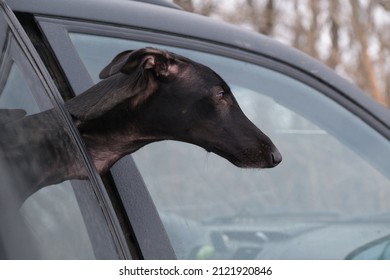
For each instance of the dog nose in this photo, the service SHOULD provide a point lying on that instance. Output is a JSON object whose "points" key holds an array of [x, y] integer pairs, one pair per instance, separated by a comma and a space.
{"points": [[276, 158]]}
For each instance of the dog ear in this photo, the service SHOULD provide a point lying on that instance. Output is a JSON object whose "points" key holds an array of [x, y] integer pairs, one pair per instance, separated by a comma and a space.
{"points": [[115, 65], [144, 67], [143, 59]]}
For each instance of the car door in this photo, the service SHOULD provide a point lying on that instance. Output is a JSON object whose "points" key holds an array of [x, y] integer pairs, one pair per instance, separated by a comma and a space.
{"points": [[326, 200], [71, 219]]}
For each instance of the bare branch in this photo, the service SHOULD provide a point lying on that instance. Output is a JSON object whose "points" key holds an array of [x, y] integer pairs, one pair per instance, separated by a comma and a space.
{"points": [[334, 57], [313, 32], [366, 61]]}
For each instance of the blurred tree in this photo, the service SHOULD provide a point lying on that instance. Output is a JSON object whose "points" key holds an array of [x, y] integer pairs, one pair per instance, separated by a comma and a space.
{"points": [[334, 19], [185, 4], [361, 26], [263, 19], [351, 37]]}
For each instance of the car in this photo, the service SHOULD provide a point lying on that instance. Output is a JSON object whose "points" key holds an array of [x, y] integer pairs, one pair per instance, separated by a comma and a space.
{"points": [[328, 199]]}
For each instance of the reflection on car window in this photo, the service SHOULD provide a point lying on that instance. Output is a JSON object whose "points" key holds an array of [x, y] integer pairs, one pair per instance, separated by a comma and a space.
{"points": [[375, 250], [327, 198], [56, 221], [16, 90]]}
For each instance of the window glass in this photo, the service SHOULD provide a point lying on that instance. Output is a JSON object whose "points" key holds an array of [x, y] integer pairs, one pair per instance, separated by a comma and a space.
{"points": [[44, 212], [16, 90], [328, 197]]}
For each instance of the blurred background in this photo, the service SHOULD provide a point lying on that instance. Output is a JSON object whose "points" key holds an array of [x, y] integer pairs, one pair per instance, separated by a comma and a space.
{"points": [[351, 36]]}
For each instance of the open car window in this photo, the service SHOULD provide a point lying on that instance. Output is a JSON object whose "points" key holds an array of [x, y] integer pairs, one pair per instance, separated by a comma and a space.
{"points": [[61, 220], [328, 197]]}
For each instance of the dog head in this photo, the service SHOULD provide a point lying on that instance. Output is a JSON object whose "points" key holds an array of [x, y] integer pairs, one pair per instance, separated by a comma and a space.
{"points": [[170, 97]]}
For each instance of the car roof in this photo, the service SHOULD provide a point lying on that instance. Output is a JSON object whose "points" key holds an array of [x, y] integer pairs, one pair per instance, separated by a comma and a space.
{"points": [[165, 16], [164, 3]]}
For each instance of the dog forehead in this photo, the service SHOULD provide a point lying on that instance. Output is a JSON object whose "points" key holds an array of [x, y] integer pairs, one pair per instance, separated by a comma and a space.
{"points": [[197, 76], [184, 60], [197, 73], [210, 77], [204, 72]]}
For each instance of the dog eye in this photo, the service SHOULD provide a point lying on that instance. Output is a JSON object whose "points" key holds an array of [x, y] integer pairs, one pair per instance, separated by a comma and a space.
{"points": [[220, 94]]}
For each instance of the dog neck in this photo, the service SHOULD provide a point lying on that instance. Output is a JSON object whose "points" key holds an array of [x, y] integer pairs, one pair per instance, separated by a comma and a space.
{"points": [[108, 147]]}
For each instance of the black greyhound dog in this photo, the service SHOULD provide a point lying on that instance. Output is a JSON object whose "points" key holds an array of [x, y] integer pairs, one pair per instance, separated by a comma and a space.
{"points": [[145, 96]]}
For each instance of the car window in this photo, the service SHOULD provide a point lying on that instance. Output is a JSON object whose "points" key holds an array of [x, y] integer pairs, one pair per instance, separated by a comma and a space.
{"points": [[57, 220], [328, 197]]}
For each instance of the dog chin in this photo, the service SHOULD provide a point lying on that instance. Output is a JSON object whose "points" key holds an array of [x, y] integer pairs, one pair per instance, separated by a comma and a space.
{"points": [[244, 160], [249, 164]]}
